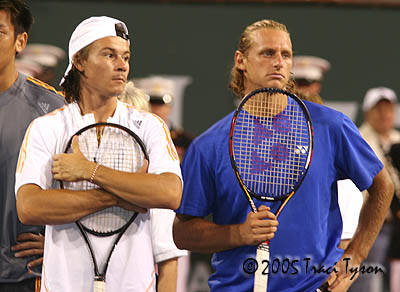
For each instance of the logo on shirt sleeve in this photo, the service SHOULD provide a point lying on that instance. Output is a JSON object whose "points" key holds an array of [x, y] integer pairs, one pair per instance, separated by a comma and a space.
{"points": [[44, 106], [137, 123]]}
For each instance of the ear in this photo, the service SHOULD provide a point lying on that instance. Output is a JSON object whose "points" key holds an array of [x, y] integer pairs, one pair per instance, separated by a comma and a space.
{"points": [[240, 60], [20, 42], [77, 61]]}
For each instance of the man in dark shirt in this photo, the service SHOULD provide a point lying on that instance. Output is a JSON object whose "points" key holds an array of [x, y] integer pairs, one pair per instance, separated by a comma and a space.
{"points": [[22, 99]]}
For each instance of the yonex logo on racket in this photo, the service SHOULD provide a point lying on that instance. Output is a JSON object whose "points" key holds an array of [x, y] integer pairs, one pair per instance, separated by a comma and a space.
{"points": [[301, 149]]}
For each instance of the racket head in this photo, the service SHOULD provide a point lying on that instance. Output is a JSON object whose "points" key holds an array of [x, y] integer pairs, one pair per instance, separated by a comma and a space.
{"points": [[271, 143], [118, 148]]}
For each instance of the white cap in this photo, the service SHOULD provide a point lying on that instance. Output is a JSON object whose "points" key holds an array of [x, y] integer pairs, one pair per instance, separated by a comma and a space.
{"points": [[309, 67], [160, 89], [91, 30], [42, 60], [375, 95], [28, 67], [37, 49]]}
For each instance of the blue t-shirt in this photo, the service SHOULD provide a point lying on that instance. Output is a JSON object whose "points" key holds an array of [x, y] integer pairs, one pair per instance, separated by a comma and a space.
{"points": [[304, 249]]}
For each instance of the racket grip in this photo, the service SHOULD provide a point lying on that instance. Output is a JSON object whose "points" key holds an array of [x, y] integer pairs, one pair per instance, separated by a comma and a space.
{"points": [[99, 286], [261, 274]]}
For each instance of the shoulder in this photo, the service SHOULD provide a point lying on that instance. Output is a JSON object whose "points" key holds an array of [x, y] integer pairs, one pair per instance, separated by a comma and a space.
{"points": [[39, 86], [42, 97], [132, 112], [53, 118], [217, 133], [322, 114]]}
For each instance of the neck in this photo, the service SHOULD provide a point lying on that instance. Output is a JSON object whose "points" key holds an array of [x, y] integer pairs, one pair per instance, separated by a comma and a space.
{"points": [[8, 76], [102, 108]]}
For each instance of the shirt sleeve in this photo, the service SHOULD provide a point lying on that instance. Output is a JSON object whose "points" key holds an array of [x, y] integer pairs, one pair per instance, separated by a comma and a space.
{"points": [[357, 160], [35, 157], [199, 191], [161, 227], [161, 150], [350, 202]]}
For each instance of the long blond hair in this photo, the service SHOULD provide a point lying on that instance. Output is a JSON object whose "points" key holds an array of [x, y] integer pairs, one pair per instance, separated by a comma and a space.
{"points": [[236, 82], [135, 96]]}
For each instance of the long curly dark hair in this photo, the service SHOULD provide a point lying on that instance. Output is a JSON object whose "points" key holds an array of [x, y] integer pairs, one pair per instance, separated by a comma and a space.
{"points": [[72, 82]]}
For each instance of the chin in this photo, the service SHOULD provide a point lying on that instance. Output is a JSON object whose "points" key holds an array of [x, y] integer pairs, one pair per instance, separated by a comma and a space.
{"points": [[276, 84]]}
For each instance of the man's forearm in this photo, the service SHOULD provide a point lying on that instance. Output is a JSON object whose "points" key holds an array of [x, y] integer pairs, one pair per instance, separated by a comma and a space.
{"points": [[36, 206], [168, 275], [372, 215], [143, 189], [200, 235]]}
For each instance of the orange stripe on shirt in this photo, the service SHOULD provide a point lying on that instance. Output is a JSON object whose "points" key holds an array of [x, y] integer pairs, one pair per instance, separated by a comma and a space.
{"points": [[56, 111], [44, 279], [152, 282], [22, 152], [44, 85], [170, 147]]}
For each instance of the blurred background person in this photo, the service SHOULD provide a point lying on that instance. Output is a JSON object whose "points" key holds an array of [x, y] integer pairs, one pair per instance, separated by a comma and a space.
{"points": [[308, 74], [165, 252], [160, 91], [40, 61], [182, 140], [394, 245], [379, 111]]}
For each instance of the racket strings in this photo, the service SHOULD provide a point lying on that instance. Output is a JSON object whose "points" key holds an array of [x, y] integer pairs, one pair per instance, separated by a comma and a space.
{"points": [[117, 150], [270, 144]]}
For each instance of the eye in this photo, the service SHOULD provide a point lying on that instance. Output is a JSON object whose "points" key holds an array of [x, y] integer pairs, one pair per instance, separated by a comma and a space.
{"points": [[269, 53]]}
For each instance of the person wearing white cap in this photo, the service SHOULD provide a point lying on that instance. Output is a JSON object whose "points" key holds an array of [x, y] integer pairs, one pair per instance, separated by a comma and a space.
{"points": [[379, 110], [44, 56], [99, 53], [22, 99], [308, 73], [160, 91]]}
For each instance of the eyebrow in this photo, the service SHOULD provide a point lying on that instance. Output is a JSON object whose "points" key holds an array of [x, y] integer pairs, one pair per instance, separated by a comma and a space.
{"points": [[114, 50]]}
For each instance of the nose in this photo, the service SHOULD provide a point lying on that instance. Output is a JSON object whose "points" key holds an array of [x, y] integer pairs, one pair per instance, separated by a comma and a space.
{"points": [[278, 62], [122, 64]]}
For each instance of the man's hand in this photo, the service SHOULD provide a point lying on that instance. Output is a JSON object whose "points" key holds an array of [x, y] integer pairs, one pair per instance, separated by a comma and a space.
{"points": [[73, 166], [29, 244], [345, 275], [258, 227]]}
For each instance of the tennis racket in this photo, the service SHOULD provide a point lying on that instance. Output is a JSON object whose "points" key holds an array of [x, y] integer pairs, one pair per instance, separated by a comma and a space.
{"points": [[116, 147], [270, 144]]}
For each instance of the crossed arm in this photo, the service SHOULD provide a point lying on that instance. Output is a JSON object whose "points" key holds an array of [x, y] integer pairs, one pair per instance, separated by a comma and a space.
{"points": [[133, 191]]}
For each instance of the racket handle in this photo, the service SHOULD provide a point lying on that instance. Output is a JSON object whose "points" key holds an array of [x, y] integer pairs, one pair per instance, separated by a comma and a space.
{"points": [[260, 278], [99, 286]]}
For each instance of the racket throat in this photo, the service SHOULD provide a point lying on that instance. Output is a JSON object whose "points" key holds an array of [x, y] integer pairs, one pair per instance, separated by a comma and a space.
{"points": [[99, 278]]}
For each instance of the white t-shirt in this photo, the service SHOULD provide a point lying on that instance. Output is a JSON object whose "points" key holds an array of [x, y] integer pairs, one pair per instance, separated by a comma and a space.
{"points": [[350, 203], [67, 265], [164, 247]]}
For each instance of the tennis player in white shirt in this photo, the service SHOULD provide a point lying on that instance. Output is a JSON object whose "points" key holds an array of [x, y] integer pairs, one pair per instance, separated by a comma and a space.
{"points": [[99, 65]]}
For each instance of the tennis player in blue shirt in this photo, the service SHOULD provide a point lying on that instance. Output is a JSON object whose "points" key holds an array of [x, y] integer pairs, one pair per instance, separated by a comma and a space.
{"points": [[304, 246]]}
